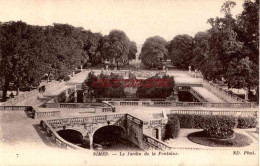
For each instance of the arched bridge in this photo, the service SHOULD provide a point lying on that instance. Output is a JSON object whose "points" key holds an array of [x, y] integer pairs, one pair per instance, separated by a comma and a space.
{"points": [[142, 134]]}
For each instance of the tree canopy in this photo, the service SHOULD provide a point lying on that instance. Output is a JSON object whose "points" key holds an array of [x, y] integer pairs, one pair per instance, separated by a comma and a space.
{"points": [[154, 51], [117, 48], [27, 52], [180, 51]]}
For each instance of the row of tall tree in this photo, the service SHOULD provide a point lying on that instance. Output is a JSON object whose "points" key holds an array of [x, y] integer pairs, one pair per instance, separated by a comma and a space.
{"points": [[229, 49], [27, 53]]}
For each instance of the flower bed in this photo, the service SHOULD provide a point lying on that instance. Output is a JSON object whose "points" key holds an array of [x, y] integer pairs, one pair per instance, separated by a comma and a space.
{"points": [[238, 140]]}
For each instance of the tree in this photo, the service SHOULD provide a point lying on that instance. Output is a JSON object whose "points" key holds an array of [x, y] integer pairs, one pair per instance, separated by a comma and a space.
{"points": [[247, 29], [200, 49], [181, 51], [230, 49], [92, 45], [19, 48], [132, 51], [218, 46], [243, 73], [116, 47], [30, 52], [154, 51]]}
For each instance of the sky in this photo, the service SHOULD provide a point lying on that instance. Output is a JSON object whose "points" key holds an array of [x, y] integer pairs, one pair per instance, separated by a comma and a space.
{"points": [[139, 19]]}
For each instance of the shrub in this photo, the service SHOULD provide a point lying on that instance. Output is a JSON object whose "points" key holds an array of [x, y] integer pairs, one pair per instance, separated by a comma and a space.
{"points": [[219, 132], [205, 121], [150, 88], [246, 122], [172, 128], [61, 97], [67, 78]]}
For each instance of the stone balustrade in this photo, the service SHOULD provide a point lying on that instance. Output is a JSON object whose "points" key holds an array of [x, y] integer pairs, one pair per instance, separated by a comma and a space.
{"points": [[14, 108], [38, 115], [162, 103], [221, 93], [154, 143], [57, 123], [156, 122], [134, 119], [35, 114], [57, 139], [132, 103], [197, 95], [108, 109], [74, 105], [183, 104], [215, 112]]}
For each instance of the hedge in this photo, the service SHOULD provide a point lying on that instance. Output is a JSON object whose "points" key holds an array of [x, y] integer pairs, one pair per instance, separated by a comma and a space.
{"points": [[246, 122], [172, 128], [205, 121], [186, 120]]}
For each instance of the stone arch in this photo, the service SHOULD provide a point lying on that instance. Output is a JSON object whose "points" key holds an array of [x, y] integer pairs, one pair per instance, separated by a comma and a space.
{"points": [[108, 133], [71, 128], [105, 125], [71, 135]]}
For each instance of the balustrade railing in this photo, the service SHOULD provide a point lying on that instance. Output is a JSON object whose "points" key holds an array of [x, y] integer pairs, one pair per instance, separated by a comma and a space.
{"points": [[154, 143], [215, 112], [58, 139], [222, 93], [84, 120], [184, 104], [46, 114], [134, 119], [14, 108], [156, 122], [197, 95]]}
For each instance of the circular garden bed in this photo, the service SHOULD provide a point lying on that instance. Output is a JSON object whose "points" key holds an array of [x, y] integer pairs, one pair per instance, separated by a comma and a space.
{"points": [[237, 140]]}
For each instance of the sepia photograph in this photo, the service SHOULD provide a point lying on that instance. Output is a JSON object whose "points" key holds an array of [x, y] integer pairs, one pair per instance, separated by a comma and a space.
{"points": [[129, 82]]}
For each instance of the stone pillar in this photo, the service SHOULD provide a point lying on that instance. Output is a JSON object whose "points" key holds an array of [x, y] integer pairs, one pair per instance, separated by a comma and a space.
{"points": [[67, 96], [246, 94], [90, 141], [75, 97], [159, 133], [176, 98], [81, 66], [196, 73], [163, 133], [73, 73]]}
